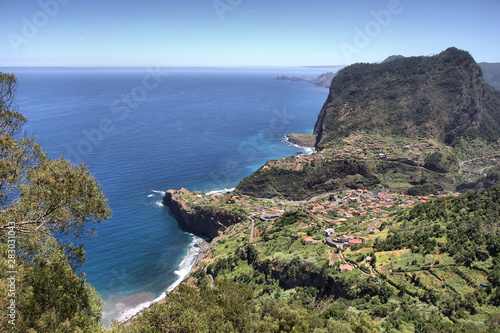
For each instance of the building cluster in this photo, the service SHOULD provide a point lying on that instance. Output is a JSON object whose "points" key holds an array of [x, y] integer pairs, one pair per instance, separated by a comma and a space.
{"points": [[343, 241], [369, 203], [294, 163], [356, 149]]}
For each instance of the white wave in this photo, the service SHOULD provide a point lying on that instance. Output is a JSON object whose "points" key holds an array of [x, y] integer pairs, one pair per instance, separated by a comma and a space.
{"points": [[182, 272], [224, 191], [129, 313], [307, 150], [159, 192], [160, 203], [150, 195]]}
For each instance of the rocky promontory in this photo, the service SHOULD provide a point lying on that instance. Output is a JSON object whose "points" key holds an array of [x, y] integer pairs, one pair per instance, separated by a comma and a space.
{"points": [[302, 140], [443, 97], [199, 219]]}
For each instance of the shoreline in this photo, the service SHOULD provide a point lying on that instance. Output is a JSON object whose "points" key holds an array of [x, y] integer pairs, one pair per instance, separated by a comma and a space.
{"points": [[202, 246], [302, 141]]}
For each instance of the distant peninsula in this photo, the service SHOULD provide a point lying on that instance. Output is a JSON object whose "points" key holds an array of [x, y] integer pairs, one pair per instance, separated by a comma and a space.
{"points": [[323, 80], [491, 74]]}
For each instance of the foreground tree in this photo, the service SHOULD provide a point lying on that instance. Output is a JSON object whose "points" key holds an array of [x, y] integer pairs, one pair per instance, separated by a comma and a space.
{"points": [[41, 198]]}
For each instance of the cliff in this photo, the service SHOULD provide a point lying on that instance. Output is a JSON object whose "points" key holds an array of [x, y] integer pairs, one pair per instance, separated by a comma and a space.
{"points": [[199, 219], [491, 71], [443, 97]]}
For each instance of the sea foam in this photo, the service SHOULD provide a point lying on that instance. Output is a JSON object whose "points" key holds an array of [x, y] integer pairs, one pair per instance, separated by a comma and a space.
{"points": [[158, 192], [307, 150], [182, 272], [224, 191]]}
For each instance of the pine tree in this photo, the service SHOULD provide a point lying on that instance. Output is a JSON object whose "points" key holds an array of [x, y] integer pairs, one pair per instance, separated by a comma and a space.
{"points": [[39, 199]]}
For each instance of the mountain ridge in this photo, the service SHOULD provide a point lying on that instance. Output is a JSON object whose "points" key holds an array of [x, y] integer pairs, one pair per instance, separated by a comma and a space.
{"points": [[443, 96]]}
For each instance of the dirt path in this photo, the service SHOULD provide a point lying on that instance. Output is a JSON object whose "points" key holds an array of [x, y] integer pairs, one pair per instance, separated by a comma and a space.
{"points": [[211, 278]]}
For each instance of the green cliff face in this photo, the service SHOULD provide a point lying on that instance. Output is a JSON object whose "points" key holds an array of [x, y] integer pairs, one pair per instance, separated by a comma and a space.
{"points": [[442, 97]]}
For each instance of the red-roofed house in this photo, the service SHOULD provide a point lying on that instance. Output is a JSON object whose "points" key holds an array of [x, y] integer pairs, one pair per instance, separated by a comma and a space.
{"points": [[308, 240], [381, 196], [355, 241], [346, 268]]}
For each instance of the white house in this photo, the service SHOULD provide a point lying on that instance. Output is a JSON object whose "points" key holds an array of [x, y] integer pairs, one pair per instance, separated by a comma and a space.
{"points": [[328, 232]]}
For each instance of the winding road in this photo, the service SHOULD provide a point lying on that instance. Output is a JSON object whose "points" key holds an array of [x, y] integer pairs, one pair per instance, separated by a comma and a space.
{"points": [[370, 227], [252, 229]]}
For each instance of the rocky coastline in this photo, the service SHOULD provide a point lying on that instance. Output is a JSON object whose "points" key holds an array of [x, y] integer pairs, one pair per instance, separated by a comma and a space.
{"points": [[199, 220], [302, 140]]}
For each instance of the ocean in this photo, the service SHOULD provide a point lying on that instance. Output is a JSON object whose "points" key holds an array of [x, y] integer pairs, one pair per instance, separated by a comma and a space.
{"points": [[142, 131]]}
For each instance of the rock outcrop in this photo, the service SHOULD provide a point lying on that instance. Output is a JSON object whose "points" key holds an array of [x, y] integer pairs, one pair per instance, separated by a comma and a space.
{"points": [[199, 220], [443, 97]]}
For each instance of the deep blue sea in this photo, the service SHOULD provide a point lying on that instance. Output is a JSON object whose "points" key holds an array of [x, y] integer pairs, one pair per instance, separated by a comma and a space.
{"points": [[143, 131]]}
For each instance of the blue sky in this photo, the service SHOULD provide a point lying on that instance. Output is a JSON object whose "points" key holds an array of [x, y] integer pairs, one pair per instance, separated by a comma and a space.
{"points": [[186, 33]]}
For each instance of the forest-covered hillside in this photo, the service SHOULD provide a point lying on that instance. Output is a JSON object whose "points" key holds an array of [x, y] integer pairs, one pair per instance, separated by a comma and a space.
{"points": [[443, 97]]}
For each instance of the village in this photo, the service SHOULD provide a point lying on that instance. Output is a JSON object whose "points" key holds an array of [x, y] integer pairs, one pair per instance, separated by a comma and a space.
{"points": [[369, 147], [339, 221]]}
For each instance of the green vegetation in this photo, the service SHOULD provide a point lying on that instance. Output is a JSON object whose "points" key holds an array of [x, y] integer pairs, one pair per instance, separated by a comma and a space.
{"points": [[443, 161], [404, 257], [267, 287], [361, 161], [418, 97], [304, 140], [466, 227], [40, 199], [437, 270], [312, 179]]}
